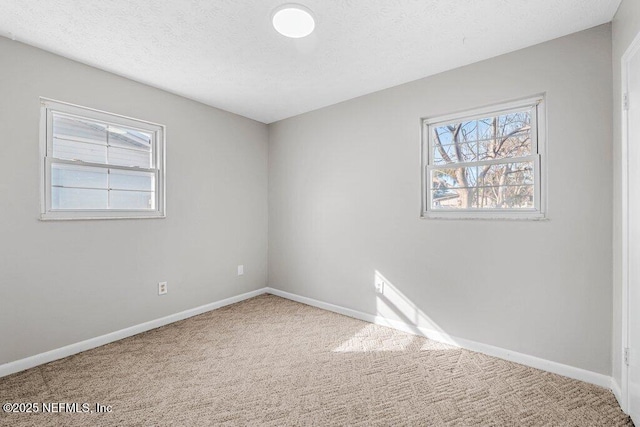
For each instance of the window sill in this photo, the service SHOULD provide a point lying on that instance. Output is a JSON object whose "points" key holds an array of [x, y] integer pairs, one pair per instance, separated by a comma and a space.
{"points": [[48, 217], [486, 216]]}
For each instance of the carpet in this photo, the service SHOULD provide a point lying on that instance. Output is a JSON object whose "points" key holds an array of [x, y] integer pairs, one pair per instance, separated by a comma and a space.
{"points": [[273, 362]]}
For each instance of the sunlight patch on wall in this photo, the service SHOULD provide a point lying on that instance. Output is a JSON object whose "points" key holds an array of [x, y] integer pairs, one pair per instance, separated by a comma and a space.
{"points": [[396, 310]]}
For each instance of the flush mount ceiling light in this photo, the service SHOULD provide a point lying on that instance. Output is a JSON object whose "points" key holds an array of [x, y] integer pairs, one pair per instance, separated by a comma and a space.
{"points": [[293, 20]]}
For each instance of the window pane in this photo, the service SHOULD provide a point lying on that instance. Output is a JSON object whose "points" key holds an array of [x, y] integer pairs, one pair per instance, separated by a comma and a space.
{"points": [[65, 127], [445, 154], [78, 176], [443, 134], [456, 133], [129, 147], [128, 180], [454, 198], [132, 200], [499, 186], [517, 145], [511, 123], [76, 198], [85, 187], [95, 142], [468, 131], [520, 173], [507, 197], [486, 129], [444, 178], [74, 150], [129, 138], [125, 157], [499, 137]]}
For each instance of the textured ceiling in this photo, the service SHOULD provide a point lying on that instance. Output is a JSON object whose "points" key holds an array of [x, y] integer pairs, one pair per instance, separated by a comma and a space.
{"points": [[225, 53]]}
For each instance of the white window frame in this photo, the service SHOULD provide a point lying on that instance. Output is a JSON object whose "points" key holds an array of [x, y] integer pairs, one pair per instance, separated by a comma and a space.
{"points": [[47, 108], [538, 148]]}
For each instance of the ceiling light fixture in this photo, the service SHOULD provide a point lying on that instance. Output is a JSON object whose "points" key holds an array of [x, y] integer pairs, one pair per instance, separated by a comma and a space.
{"points": [[293, 20]]}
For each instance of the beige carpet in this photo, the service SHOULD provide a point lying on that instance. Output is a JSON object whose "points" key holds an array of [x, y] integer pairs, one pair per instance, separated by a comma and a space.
{"points": [[270, 361]]}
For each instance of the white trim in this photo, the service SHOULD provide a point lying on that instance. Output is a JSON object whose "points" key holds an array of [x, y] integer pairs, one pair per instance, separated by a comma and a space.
{"points": [[617, 392], [48, 107], [624, 222], [101, 115], [69, 350], [479, 113], [513, 356], [538, 137], [43, 158], [524, 359], [100, 165]]}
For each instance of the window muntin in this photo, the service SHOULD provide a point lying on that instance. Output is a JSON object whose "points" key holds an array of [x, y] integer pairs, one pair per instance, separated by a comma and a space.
{"points": [[100, 165], [484, 164]]}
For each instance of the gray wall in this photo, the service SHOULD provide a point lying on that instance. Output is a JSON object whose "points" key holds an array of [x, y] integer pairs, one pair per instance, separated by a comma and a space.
{"points": [[344, 202], [625, 27], [63, 282]]}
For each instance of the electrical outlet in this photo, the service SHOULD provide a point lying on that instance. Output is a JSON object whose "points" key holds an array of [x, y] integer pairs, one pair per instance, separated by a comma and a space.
{"points": [[240, 270], [379, 286], [162, 288]]}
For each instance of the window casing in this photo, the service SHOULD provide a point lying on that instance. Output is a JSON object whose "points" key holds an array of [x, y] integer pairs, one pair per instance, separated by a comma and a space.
{"points": [[486, 163], [98, 165]]}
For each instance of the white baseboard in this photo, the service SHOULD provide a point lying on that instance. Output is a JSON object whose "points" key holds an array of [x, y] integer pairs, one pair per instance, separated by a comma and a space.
{"points": [[521, 358], [524, 359], [59, 353], [617, 392]]}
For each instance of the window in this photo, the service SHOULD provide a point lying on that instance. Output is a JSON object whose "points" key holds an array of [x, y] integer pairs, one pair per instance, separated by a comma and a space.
{"points": [[99, 165], [485, 163]]}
